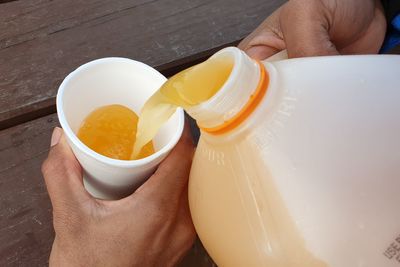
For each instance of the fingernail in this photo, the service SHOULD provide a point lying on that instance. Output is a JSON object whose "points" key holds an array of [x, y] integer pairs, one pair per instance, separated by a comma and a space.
{"points": [[254, 52], [251, 51], [55, 137], [258, 52]]}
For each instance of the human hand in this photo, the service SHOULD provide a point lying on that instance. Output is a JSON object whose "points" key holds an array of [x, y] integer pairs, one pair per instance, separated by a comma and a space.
{"points": [[319, 27], [151, 227]]}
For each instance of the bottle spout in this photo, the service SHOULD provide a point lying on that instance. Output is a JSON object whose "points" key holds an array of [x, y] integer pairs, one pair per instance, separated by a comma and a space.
{"points": [[234, 95]]}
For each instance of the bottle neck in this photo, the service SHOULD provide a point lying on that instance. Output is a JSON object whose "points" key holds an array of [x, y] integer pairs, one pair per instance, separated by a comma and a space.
{"points": [[237, 98]]}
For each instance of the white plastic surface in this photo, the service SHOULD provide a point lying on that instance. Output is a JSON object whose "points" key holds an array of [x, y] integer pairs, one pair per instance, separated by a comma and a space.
{"points": [[312, 178], [113, 81], [233, 95]]}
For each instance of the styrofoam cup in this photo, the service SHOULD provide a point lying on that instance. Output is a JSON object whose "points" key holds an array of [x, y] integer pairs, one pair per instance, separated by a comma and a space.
{"points": [[113, 81]]}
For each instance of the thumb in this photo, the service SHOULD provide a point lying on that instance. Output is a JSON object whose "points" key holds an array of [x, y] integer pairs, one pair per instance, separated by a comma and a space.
{"points": [[171, 177], [266, 40], [305, 29], [63, 174]]}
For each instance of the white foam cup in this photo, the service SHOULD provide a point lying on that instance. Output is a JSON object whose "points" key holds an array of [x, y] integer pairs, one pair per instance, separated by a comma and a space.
{"points": [[113, 81]]}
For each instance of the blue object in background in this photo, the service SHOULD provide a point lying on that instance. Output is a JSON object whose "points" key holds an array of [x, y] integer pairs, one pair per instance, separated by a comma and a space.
{"points": [[393, 36]]}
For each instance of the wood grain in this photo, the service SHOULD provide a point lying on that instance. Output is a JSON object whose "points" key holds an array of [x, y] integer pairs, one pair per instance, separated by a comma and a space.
{"points": [[26, 231], [41, 41], [6, 1]]}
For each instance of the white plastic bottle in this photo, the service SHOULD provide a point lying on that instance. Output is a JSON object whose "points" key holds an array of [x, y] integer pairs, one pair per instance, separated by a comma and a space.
{"points": [[310, 175]]}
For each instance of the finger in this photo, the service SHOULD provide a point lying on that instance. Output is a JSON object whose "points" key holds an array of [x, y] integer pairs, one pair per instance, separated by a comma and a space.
{"points": [[305, 29], [183, 233], [62, 173], [261, 52], [171, 177], [266, 40], [375, 31], [184, 216]]}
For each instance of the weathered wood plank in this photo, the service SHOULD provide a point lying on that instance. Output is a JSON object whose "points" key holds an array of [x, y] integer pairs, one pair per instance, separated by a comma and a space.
{"points": [[26, 231], [41, 40], [6, 1]]}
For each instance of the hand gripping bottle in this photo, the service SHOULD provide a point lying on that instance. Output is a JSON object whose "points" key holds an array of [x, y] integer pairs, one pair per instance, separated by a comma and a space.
{"points": [[298, 163]]}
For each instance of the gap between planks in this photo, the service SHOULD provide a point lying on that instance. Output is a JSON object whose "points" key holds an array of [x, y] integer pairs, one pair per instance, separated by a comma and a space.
{"points": [[167, 69]]}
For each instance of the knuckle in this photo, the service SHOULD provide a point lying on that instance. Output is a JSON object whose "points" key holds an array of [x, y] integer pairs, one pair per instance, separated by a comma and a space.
{"points": [[57, 162], [48, 167], [60, 165], [189, 232], [186, 235], [45, 167], [69, 167], [51, 162]]}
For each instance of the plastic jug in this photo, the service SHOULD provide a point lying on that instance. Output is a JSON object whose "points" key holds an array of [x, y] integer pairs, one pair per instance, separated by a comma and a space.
{"points": [[298, 163]]}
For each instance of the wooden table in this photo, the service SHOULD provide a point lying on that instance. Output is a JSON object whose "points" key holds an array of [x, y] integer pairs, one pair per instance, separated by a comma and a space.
{"points": [[41, 41]]}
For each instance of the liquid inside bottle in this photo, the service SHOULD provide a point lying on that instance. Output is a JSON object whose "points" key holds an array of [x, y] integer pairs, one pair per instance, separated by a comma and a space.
{"points": [[111, 131], [300, 182], [309, 179]]}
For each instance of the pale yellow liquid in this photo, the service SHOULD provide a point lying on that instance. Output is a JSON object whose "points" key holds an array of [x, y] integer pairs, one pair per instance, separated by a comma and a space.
{"points": [[185, 89], [238, 212], [111, 131]]}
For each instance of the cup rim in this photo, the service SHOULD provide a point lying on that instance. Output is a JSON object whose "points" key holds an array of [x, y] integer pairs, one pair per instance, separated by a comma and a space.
{"points": [[91, 153]]}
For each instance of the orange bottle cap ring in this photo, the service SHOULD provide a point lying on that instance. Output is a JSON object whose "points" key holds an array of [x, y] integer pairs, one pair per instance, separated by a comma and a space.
{"points": [[245, 112]]}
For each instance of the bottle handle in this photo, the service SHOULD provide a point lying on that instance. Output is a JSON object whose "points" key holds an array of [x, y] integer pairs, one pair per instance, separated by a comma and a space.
{"points": [[278, 56]]}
